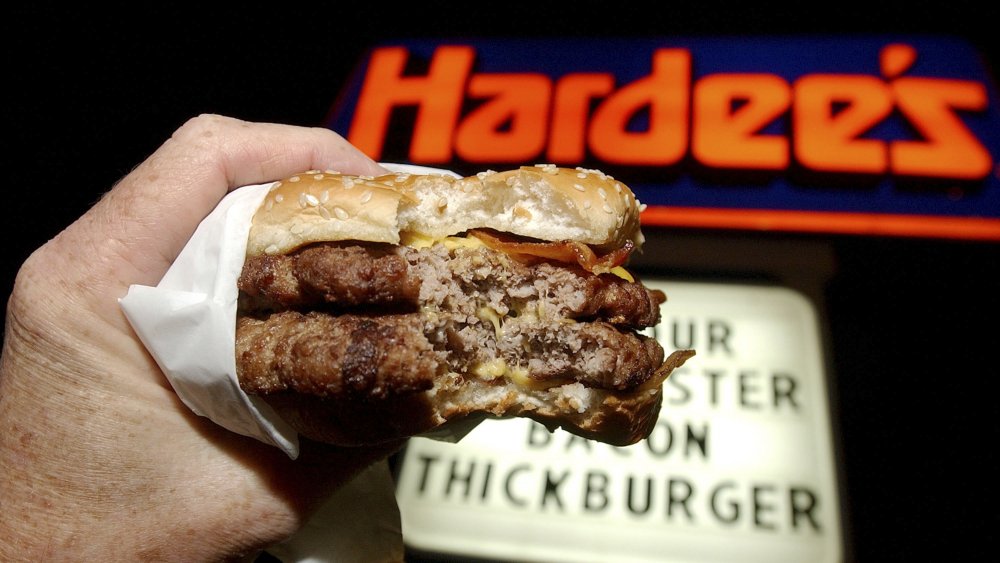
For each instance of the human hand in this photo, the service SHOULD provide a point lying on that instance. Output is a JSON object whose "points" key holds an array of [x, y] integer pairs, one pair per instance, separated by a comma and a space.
{"points": [[98, 456]]}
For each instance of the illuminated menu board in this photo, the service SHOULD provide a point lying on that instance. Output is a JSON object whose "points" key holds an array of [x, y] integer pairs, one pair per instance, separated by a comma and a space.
{"points": [[740, 467]]}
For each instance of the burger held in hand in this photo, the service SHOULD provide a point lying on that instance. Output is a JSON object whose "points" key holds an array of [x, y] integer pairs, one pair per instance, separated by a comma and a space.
{"points": [[373, 309]]}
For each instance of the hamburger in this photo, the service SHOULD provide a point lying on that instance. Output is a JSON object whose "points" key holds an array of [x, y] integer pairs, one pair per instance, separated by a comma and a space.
{"points": [[377, 308]]}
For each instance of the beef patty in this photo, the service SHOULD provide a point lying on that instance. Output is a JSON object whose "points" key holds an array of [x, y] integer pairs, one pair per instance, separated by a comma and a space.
{"points": [[372, 320]]}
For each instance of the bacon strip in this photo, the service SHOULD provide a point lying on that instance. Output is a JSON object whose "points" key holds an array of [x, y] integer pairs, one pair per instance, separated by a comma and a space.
{"points": [[562, 251]]}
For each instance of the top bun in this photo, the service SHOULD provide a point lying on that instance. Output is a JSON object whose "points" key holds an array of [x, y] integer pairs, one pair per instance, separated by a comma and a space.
{"points": [[543, 202]]}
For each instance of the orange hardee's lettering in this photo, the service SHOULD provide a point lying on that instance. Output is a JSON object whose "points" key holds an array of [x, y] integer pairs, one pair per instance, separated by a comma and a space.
{"points": [[527, 116]]}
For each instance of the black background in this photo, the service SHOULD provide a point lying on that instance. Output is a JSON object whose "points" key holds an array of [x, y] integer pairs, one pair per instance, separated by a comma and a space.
{"points": [[912, 322]]}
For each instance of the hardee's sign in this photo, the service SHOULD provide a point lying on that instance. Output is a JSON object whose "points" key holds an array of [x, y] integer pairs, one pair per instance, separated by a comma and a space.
{"points": [[865, 136]]}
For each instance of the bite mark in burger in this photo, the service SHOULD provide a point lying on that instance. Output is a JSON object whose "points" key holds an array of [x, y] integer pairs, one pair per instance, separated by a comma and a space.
{"points": [[373, 309]]}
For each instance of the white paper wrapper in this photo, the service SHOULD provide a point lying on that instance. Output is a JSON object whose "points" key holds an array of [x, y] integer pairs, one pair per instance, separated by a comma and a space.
{"points": [[188, 323]]}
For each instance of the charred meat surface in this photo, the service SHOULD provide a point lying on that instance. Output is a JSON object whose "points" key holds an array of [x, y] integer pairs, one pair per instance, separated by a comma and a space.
{"points": [[335, 275], [323, 355]]}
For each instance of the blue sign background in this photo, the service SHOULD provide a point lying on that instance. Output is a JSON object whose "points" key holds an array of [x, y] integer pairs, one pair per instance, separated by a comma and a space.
{"points": [[788, 57]]}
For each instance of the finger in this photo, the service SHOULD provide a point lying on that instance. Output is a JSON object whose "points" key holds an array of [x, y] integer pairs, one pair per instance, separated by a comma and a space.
{"points": [[143, 222]]}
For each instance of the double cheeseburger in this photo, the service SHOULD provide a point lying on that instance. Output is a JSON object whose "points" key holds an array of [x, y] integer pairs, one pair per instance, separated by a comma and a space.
{"points": [[373, 309]]}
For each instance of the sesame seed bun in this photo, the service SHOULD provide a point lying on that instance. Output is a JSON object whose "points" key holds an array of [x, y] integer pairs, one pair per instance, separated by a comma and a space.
{"points": [[359, 343], [543, 202]]}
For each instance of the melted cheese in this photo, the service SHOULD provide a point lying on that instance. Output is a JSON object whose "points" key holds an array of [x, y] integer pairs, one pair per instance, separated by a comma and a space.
{"points": [[497, 368], [489, 315], [519, 376], [490, 370], [622, 273]]}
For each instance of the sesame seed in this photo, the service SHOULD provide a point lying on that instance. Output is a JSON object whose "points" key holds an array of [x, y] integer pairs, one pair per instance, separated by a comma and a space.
{"points": [[274, 186], [294, 179], [442, 203], [269, 204], [602, 193], [618, 187], [279, 198], [586, 204], [594, 171], [642, 207], [579, 188], [340, 213], [324, 196], [318, 177], [325, 213], [303, 203], [607, 208], [312, 200], [334, 172], [581, 174], [366, 197], [348, 183]]}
